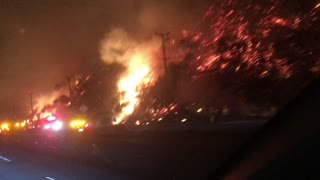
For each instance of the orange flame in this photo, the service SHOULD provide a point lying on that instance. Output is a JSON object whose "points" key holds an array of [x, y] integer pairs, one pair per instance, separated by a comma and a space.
{"points": [[48, 99], [119, 47], [138, 74]]}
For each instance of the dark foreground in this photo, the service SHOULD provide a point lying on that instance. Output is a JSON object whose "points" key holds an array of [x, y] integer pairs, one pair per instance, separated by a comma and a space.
{"points": [[17, 163], [170, 155]]}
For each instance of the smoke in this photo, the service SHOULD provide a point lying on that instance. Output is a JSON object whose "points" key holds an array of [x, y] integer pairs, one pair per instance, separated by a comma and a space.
{"points": [[116, 46], [119, 47]]}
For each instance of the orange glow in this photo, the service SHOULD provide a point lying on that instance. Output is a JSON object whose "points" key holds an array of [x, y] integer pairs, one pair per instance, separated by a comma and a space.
{"points": [[224, 65], [279, 21], [48, 99]]}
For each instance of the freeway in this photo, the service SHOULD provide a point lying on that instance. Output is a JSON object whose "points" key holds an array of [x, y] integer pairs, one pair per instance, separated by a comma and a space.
{"points": [[129, 155]]}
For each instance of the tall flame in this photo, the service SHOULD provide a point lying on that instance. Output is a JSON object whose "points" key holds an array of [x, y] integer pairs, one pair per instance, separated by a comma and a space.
{"points": [[119, 47], [138, 74]]}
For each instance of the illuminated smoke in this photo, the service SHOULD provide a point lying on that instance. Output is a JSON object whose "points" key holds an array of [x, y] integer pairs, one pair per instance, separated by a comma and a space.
{"points": [[117, 47]]}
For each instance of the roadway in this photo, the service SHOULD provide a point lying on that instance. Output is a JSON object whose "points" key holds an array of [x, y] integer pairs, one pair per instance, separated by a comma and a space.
{"points": [[18, 163], [169, 155]]}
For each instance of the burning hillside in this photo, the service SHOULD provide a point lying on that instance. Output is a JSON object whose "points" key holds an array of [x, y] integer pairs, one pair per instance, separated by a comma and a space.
{"points": [[238, 54], [251, 51]]}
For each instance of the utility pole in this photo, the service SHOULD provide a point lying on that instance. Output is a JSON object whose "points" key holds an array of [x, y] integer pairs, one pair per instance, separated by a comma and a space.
{"points": [[31, 102], [164, 37]]}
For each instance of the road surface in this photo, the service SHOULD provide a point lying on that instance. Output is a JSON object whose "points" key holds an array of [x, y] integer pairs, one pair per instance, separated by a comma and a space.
{"points": [[169, 155], [17, 163]]}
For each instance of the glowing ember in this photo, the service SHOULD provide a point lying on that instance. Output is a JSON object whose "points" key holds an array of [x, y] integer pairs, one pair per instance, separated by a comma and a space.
{"points": [[228, 40], [137, 123], [317, 6]]}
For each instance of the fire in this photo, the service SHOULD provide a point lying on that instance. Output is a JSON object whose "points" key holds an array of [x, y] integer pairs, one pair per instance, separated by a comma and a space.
{"points": [[137, 57], [138, 75], [48, 99], [44, 105]]}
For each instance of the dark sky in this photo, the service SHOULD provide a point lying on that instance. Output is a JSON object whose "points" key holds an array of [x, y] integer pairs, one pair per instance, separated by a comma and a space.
{"points": [[43, 41]]}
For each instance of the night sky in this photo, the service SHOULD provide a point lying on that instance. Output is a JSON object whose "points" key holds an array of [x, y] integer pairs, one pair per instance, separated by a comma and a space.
{"points": [[44, 41]]}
